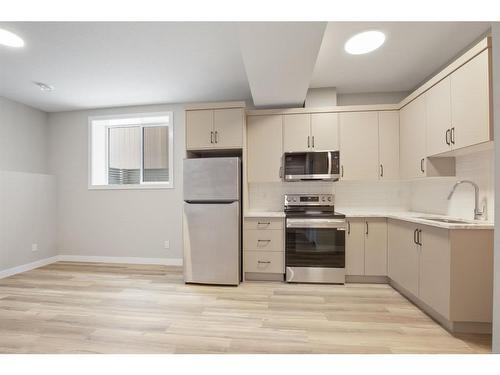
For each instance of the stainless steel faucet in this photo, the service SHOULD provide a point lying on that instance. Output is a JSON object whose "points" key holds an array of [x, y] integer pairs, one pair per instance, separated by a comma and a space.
{"points": [[478, 214]]}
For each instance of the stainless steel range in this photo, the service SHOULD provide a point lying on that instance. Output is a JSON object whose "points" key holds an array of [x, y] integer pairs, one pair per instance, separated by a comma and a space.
{"points": [[315, 239]]}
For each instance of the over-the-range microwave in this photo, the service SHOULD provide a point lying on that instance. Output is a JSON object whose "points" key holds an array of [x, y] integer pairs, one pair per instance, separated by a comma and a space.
{"points": [[310, 165]]}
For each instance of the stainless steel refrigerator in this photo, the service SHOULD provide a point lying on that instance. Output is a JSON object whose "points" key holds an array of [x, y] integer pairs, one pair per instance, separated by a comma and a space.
{"points": [[212, 220]]}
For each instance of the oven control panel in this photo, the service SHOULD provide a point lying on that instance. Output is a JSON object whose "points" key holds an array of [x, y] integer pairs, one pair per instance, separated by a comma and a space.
{"points": [[309, 199]]}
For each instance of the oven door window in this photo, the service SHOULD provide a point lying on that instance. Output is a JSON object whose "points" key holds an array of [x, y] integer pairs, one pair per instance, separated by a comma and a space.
{"points": [[315, 247]]}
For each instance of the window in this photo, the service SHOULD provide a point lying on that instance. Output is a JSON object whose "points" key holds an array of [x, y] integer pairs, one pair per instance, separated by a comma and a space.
{"points": [[131, 151]]}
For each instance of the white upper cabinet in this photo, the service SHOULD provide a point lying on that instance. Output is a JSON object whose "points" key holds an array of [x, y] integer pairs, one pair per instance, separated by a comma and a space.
{"points": [[325, 131], [359, 157], [219, 128], [470, 103], [413, 139], [297, 132], [438, 104], [264, 148], [199, 129], [388, 131]]}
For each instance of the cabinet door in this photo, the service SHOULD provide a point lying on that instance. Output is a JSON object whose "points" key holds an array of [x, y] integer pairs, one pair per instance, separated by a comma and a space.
{"points": [[228, 127], [199, 129], [359, 146], [297, 132], [264, 148], [402, 255], [434, 284], [388, 131], [376, 247], [438, 105], [412, 139], [325, 131], [470, 102], [355, 247]]}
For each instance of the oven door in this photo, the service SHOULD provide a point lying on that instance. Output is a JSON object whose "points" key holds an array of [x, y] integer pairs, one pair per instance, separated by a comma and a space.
{"points": [[315, 242]]}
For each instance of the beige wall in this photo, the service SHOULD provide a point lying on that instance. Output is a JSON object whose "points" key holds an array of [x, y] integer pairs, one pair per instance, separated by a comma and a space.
{"points": [[116, 223], [27, 193]]}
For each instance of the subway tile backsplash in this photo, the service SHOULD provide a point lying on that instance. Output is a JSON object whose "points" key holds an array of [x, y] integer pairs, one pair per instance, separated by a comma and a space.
{"points": [[425, 195]]}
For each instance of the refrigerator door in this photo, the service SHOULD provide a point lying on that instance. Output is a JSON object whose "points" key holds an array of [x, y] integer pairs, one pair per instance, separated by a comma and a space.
{"points": [[212, 243], [211, 179]]}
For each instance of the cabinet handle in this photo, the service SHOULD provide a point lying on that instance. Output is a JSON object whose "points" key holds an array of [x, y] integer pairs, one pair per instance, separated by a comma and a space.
{"points": [[308, 141], [419, 237], [452, 135], [264, 262], [313, 141], [381, 170], [263, 223], [348, 227], [366, 222], [280, 173], [212, 137], [422, 165], [415, 236], [341, 171], [263, 240], [447, 134], [216, 137]]}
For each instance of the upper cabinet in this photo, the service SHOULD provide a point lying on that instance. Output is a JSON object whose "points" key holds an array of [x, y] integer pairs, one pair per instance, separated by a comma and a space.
{"points": [[359, 145], [310, 132], [214, 128], [470, 103], [458, 108], [412, 139], [264, 148], [388, 138]]}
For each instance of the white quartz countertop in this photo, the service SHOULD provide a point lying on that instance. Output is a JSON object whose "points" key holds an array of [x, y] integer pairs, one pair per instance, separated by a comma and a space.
{"points": [[264, 214], [418, 218]]}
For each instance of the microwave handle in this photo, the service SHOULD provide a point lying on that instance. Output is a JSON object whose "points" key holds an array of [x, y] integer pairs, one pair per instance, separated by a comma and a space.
{"points": [[329, 163]]}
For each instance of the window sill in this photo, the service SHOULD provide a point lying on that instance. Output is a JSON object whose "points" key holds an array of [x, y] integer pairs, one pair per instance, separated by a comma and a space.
{"points": [[131, 187]]}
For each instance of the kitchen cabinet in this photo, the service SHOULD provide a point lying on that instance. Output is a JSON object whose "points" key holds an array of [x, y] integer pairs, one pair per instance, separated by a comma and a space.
{"points": [[470, 103], [310, 132], [214, 129], [366, 247], [438, 105], [388, 131], [359, 155], [264, 148]]}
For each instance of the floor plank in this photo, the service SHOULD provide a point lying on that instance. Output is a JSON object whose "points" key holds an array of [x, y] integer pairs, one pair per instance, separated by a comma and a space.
{"points": [[74, 307]]}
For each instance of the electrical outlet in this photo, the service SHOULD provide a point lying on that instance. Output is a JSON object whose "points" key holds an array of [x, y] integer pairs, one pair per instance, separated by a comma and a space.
{"points": [[34, 247], [166, 245]]}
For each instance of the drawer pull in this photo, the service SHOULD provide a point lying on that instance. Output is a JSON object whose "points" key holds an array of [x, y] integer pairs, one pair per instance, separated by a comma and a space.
{"points": [[264, 262], [263, 223]]}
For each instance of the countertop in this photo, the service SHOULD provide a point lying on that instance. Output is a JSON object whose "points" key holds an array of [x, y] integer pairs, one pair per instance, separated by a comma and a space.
{"points": [[410, 216], [417, 217]]}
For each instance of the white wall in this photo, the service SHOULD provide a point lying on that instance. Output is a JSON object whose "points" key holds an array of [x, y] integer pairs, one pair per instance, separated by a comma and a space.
{"points": [[371, 98], [27, 193], [496, 92], [115, 223]]}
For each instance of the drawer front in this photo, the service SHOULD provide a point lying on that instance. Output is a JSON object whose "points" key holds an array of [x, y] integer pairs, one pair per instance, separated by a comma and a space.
{"points": [[264, 262], [262, 223], [263, 240]]}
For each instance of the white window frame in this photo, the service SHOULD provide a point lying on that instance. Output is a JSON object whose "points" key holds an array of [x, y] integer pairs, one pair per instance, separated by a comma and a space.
{"points": [[141, 125]]}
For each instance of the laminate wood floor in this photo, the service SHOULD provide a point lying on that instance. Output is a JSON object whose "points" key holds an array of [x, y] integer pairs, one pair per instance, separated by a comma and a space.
{"points": [[70, 307]]}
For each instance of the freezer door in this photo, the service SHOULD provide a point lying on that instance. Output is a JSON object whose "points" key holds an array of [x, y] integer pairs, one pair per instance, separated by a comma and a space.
{"points": [[211, 179], [212, 243]]}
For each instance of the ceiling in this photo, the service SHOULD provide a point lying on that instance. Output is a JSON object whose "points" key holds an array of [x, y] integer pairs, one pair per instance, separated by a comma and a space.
{"points": [[412, 52], [109, 64]]}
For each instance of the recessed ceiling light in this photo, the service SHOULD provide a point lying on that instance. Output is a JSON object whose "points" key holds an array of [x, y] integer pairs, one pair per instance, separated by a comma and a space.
{"points": [[364, 42], [44, 87], [10, 39]]}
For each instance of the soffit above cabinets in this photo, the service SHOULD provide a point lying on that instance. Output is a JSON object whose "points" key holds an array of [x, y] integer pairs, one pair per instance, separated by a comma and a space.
{"points": [[279, 58]]}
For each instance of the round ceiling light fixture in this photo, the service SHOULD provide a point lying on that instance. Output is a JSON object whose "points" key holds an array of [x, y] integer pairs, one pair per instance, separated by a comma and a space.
{"points": [[364, 42], [9, 39]]}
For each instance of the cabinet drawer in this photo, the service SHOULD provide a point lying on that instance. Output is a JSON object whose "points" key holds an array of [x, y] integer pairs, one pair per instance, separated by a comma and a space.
{"points": [[264, 223], [267, 240], [264, 261]]}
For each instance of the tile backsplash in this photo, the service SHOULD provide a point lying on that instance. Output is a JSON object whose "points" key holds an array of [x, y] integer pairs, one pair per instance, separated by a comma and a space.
{"points": [[425, 195]]}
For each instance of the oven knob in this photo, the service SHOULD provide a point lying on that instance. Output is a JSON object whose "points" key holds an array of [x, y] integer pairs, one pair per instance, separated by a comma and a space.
{"points": [[329, 199], [294, 199], [323, 199]]}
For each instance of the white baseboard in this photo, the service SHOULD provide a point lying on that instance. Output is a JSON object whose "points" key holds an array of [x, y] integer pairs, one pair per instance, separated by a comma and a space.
{"points": [[125, 260], [27, 267]]}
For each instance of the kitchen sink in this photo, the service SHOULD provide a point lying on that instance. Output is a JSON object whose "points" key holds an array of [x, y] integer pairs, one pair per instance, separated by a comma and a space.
{"points": [[444, 220]]}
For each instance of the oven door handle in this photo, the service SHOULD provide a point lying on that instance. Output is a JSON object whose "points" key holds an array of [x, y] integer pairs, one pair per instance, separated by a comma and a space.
{"points": [[339, 224]]}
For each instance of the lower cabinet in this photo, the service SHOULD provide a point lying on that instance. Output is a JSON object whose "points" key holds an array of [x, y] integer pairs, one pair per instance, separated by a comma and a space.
{"points": [[447, 272], [263, 248], [366, 247]]}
